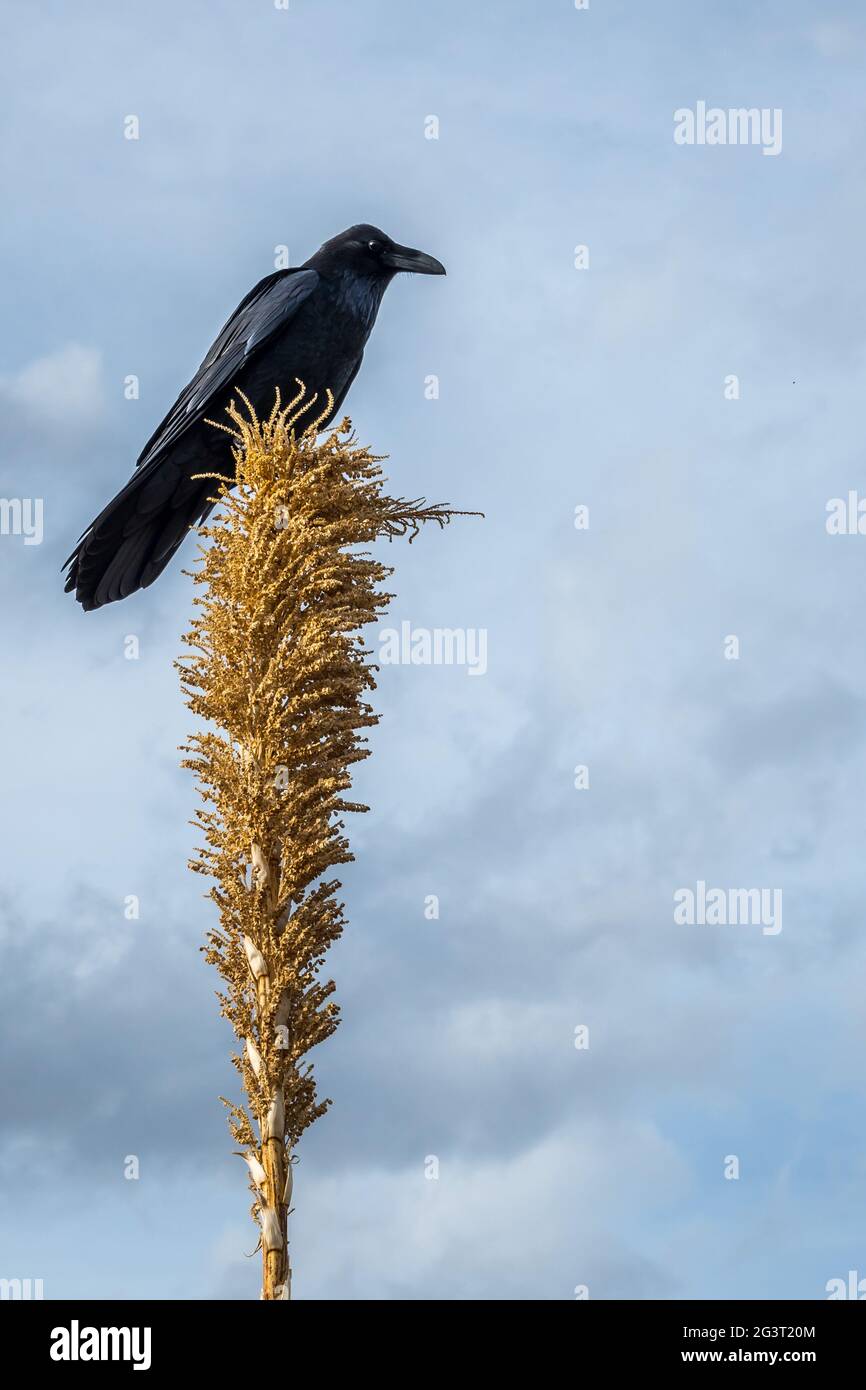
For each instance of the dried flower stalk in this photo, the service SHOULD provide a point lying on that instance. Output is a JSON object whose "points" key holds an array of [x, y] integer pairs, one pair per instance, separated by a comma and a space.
{"points": [[278, 671]]}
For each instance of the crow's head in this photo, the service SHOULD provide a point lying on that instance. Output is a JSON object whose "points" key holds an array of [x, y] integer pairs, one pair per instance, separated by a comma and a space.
{"points": [[368, 252]]}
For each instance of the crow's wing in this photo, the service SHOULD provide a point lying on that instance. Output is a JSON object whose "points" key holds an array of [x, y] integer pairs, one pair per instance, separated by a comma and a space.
{"points": [[268, 307]]}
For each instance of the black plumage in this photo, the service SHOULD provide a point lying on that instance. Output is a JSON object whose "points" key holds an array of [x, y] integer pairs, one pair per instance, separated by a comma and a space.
{"points": [[310, 324]]}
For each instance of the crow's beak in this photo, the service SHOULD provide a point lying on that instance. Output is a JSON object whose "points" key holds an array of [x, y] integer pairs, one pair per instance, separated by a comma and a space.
{"points": [[417, 262]]}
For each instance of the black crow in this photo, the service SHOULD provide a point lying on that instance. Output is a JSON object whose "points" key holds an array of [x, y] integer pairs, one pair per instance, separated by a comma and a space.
{"points": [[309, 324]]}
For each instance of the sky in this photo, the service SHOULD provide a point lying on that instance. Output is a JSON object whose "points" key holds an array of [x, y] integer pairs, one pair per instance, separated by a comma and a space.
{"points": [[620, 1104]]}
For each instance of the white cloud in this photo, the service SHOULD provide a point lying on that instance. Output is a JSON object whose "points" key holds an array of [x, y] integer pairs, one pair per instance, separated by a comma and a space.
{"points": [[65, 387], [532, 1225]]}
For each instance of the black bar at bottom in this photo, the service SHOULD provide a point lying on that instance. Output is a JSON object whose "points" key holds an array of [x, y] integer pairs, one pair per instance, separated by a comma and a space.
{"points": [[63, 1338]]}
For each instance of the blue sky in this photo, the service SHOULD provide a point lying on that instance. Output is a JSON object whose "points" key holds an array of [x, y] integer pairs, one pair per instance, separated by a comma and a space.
{"points": [[604, 387]]}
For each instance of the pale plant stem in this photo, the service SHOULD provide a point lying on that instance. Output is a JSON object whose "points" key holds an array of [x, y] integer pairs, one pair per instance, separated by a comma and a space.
{"points": [[276, 1275]]}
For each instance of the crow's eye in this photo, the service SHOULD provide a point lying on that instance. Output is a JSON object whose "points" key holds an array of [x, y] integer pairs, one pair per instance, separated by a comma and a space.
{"points": [[374, 246]]}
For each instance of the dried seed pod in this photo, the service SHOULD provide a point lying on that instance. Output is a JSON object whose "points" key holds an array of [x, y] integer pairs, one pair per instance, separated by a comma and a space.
{"points": [[258, 964], [257, 1172], [261, 873], [272, 1235], [275, 1122], [254, 1057]]}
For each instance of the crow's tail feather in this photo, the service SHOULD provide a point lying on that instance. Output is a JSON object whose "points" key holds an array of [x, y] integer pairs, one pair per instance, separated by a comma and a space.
{"points": [[130, 543]]}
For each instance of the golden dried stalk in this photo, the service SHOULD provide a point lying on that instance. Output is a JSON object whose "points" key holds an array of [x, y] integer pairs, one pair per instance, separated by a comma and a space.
{"points": [[278, 671]]}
